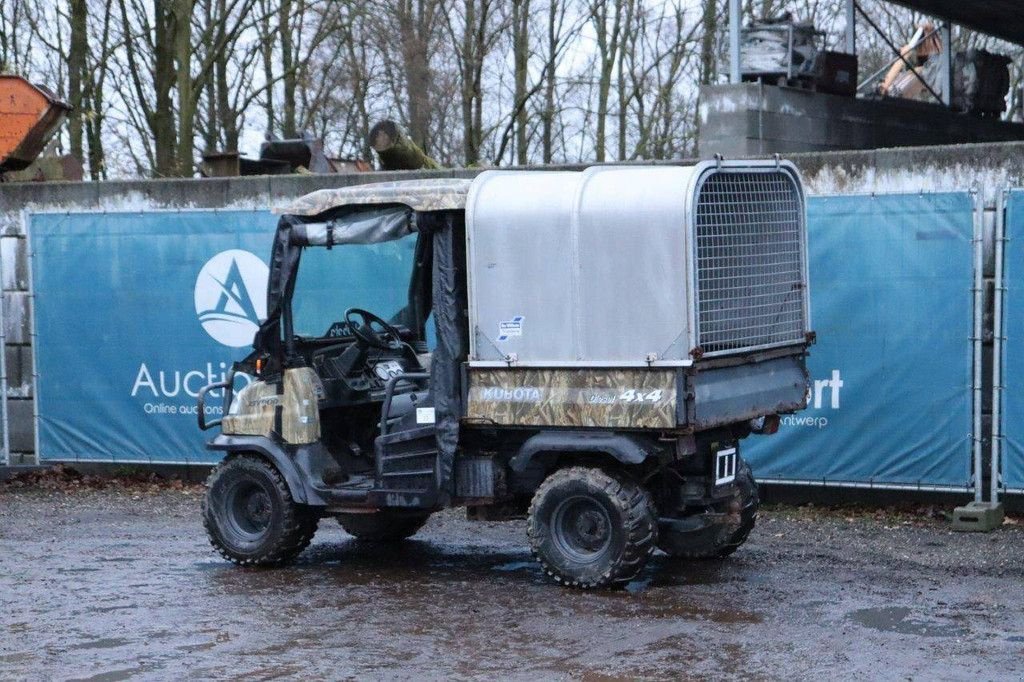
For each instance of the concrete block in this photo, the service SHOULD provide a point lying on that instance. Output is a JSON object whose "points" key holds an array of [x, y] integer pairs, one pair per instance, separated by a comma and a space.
{"points": [[19, 371], [23, 458], [48, 195], [789, 119], [284, 188], [16, 317], [11, 224], [978, 517], [19, 415], [14, 259], [247, 192]]}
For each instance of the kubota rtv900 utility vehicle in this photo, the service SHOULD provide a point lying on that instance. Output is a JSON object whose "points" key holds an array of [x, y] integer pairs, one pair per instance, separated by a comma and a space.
{"points": [[585, 349]]}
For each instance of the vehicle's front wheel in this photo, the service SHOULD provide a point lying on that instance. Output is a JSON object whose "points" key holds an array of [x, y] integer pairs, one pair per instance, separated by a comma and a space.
{"points": [[383, 526], [250, 516], [591, 528]]}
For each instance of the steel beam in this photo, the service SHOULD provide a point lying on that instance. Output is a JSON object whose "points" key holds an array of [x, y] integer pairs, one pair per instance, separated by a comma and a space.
{"points": [[734, 42], [946, 62], [851, 27]]}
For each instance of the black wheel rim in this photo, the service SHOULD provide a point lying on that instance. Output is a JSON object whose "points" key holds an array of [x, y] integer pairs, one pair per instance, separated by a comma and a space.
{"points": [[581, 528], [249, 509]]}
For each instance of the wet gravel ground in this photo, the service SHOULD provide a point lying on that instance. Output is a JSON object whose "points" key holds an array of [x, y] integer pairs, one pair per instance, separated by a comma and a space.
{"points": [[120, 584]]}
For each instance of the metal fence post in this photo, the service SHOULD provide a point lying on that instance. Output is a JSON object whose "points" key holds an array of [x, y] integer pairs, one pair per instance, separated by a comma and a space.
{"points": [[999, 289], [734, 42], [851, 27], [32, 332], [976, 339], [5, 455], [946, 63]]}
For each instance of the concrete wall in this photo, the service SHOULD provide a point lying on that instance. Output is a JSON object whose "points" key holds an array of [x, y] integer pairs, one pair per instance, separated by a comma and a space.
{"points": [[752, 118], [988, 167]]}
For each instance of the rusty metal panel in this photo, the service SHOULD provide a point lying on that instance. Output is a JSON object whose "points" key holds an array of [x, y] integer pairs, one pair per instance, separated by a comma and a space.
{"points": [[29, 116], [633, 398], [727, 395]]}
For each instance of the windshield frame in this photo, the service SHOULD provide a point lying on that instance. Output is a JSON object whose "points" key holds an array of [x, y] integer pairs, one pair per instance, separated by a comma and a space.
{"points": [[410, 313], [412, 317]]}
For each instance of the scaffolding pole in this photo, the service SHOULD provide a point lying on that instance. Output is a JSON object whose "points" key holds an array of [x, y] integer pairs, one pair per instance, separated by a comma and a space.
{"points": [[734, 42], [976, 388], [999, 291], [851, 27]]}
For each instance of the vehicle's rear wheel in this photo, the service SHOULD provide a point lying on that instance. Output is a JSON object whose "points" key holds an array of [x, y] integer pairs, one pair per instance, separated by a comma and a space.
{"points": [[384, 526], [719, 540], [591, 528], [250, 516]]}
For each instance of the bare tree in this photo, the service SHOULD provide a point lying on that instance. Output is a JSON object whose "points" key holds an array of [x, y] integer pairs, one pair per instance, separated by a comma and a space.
{"points": [[607, 18], [560, 32]]}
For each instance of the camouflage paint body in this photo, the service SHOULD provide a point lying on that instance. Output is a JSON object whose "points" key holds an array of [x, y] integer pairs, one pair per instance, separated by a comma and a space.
{"points": [[438, 194], [600, 398], [257, 407]]}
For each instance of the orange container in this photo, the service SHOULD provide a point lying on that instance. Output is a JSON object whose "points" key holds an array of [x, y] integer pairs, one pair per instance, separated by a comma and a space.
{"points": [[29, 116]]}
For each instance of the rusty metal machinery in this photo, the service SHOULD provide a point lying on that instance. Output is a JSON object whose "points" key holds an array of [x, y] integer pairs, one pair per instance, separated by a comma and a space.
{"points": [[29, 117]]}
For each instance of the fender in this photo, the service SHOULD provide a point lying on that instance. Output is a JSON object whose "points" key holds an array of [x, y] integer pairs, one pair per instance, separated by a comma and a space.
{"points": [[284, 462], [626, 449]]}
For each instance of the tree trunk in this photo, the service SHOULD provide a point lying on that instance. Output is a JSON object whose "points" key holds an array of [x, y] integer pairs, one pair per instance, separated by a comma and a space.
{"points": [[470, 93], [520, 60], [267, 53], [288, 74], [607, 48], [77, 52], [548, 115], [709, 20], [627, 34], [227, 121], [186, 99], [416, 23], [396, 151], [162, 124]]}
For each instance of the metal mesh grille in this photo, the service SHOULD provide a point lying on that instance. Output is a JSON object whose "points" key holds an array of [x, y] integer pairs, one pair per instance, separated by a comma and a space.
{"points": [[749, 262]]}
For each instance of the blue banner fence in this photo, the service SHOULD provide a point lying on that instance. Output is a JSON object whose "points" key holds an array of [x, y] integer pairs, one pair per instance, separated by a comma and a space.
{"points": [[891, 301], [135, 311], [1008, 311]]}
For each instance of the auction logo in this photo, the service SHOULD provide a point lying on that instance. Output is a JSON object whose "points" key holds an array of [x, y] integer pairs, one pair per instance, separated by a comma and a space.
{"points": [[231, 296]]}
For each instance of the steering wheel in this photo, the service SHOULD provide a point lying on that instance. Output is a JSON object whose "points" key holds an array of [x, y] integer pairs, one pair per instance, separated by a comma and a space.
{"points": [[366, 334]]}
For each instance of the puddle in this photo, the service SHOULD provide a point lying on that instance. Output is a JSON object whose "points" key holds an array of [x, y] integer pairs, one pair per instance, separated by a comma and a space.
{"points": [[108, 609], [113, 675], [104, 643], [900, 619], [192, 648]]}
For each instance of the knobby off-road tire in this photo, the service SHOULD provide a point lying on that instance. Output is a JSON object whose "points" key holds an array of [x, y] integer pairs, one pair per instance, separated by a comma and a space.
{"points": [[382, 526], [591, 528], [250, 516], [718, 541]]}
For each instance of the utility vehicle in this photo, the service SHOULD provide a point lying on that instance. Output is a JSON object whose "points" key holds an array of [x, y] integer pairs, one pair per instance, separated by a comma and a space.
{"points": [[582, 349]]}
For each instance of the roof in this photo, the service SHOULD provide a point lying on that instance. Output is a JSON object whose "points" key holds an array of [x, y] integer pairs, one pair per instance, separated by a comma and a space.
{"points": [[1000, 18], [435, 194]]}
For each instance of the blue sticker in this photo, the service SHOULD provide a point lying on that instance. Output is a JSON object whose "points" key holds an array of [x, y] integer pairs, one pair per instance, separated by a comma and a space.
{"points": [[509, 328]]}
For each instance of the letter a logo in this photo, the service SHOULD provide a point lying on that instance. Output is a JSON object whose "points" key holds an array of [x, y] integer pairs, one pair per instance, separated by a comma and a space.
{"points": [[230, 297]]}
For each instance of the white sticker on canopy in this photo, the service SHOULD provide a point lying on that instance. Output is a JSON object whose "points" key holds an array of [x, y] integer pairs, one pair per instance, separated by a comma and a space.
{"points": [[510, 328]]}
